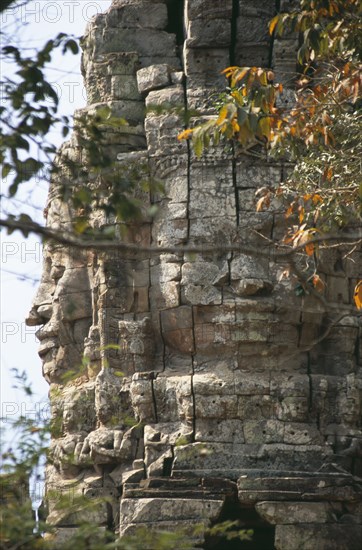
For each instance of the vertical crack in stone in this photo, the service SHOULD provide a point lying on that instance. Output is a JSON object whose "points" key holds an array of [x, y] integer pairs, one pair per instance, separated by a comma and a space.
{"points": [[186, 123], [234, 28], [154, 398], [163, 343], [236, 190], [310, 395], [192, 379], [272, 37]]}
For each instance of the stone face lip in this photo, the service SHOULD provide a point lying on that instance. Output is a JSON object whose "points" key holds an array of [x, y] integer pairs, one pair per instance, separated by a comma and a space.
{"points": [[192, 388]]}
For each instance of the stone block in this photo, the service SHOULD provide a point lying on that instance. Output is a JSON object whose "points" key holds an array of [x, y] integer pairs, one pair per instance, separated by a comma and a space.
{"points": [[121, 63], [135, 16], [153, 510], [262, 8], [204, 204], [209, 9], [219, 229], [252, 54], [200, 294], [129, 109], [169, 97], [199, 273], [171, 211], [177, 318], [61, 536], [298, 433], [248, 267], [216, 176], [180, 340], [294, 385], [251, 175], [141, 393], [256, 407], [293, 409], [263, 431], [255, 485], [173, 397], [216, 406], [219, 431], [175, 189], [165, 295], [153, 77], [165, 272], [331, 536], [170, 232], [337, 289], [252, 29], [203, 66], [252, 287], [148, 43], [124, 87], [219, 383], [245, 384], [205, 33], [285, 513], [214, 314]]}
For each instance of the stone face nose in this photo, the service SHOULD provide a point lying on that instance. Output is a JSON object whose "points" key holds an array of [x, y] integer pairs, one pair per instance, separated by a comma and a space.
{"points": [[34, 318]]}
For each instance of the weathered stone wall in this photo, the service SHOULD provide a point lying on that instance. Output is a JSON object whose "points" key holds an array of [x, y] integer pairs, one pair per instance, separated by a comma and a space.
{"points": [[217, 403]]}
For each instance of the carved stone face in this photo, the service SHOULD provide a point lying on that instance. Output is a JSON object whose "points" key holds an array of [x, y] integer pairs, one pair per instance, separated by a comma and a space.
{"points": [[63, 303], [200, 365]]}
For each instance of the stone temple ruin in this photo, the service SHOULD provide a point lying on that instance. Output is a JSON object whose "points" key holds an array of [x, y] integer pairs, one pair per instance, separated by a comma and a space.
{"points": [[219, 402]]}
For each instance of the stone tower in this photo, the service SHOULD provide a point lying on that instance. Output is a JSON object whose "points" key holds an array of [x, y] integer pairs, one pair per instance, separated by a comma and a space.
{"points": [[220, 400]]}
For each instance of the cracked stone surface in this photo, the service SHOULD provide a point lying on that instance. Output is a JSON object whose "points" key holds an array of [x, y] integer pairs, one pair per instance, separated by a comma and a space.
{"points": [[214, 392]]}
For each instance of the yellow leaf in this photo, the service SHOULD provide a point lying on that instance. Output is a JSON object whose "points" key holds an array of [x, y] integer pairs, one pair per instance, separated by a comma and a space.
{"points": [[239, 75], [301, 214], [229, 70], [289, 211], [309, 248], [316, 198], [273, 23], [185, 134], [358, 295], [264, 201], [318, 283], [235, 125], [264, 126], [222, 115]]}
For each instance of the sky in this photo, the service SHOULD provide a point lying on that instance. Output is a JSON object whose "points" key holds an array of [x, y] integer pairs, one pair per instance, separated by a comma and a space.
{"points": [[30, 26]]}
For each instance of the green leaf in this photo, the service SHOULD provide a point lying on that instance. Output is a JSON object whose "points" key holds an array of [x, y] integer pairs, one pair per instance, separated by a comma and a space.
{"points": [[198, 144], [242, 116], [72, 46], [264, 126], [6, 169], [13, 189]]}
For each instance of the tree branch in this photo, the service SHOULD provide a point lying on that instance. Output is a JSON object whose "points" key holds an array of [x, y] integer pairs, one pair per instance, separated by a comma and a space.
{"points": [[85, 242]]}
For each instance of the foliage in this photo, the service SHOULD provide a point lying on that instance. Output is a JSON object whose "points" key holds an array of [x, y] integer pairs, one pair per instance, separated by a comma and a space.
{"points": [[30, 113], [27, 116]]}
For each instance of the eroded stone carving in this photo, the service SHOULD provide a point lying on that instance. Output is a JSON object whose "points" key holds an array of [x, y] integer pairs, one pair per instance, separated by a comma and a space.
{"points": [[202, 379]]}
